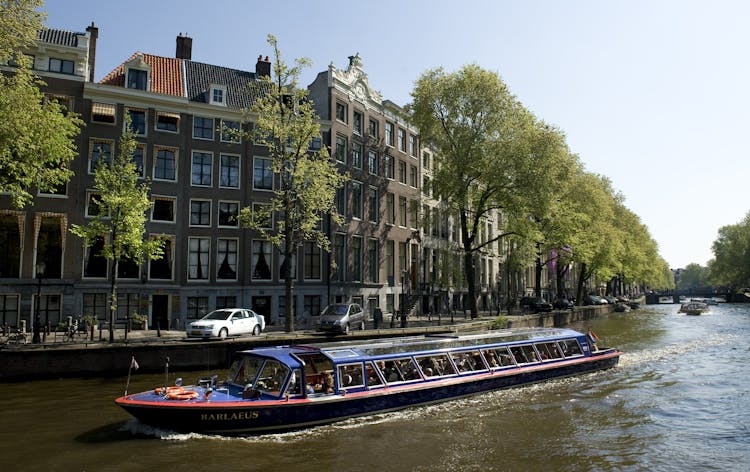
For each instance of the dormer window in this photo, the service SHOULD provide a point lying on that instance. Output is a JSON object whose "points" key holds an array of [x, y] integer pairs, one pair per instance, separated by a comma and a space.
{"points": [[137, 79], [218, 95]]}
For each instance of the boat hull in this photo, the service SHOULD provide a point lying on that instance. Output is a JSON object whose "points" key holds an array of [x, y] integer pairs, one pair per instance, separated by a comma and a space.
{"points": [[236, 416]]}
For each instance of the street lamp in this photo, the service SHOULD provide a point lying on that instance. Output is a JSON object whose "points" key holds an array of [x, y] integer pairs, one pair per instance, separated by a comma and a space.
{"points": [[40, 269]]}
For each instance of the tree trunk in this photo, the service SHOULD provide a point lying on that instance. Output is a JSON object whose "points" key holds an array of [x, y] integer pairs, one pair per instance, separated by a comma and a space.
{"points": [[581, 280], [113, 300], [538, 266], [288, 279]]}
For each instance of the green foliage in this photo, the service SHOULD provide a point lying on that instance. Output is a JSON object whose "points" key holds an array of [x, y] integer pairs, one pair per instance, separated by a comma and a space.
{"points": [[36, 134], [501, 322], [693, 276], [731, 263], [286, 124]]}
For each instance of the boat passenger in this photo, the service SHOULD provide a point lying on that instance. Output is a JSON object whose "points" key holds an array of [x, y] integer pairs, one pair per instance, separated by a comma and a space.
{"points": [[327, 384]]}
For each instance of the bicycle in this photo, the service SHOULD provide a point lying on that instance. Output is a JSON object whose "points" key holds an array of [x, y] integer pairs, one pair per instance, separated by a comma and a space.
{"points": [[71, 332], [16, 337]]}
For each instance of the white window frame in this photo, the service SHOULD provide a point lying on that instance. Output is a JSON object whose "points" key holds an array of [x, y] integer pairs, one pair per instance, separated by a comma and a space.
{"points": [[218, 209], [190, 212]]}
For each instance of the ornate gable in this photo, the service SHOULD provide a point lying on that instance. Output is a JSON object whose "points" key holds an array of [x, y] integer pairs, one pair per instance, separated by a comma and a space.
{"points": [[353, 81]]}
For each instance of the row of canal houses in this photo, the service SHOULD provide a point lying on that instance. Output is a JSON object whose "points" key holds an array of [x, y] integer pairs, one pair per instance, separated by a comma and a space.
{"points": [[395, 250]]}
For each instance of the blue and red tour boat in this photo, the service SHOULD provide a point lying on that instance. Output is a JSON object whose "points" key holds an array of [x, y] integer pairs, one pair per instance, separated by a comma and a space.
{"points": [[283, 388]]}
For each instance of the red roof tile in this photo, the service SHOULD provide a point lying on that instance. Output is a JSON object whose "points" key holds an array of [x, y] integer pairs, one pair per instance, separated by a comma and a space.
{"points": [[166, 74]]}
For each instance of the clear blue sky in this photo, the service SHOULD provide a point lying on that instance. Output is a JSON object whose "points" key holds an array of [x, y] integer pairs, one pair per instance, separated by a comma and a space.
{"points": [[653, 94]]}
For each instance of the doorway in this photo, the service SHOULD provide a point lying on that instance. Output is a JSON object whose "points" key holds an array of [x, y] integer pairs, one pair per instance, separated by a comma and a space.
{"points": [[160, 312]]}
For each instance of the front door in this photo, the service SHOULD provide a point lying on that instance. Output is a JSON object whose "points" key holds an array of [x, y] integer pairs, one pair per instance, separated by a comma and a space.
{"points": [[160, 312], [262, 306]]}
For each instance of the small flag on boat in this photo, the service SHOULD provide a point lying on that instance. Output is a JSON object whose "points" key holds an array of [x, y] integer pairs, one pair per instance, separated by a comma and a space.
{"points": [[133, 363], [593, 337]]}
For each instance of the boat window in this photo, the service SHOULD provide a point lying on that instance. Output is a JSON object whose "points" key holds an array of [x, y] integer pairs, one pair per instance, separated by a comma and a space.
{"points": [[400, 370], [272, 377], [548, 350], [350, 375], [295, 383], [436, 366], [570, 347], [342, 354], [373, 379], [524, 354], [244, 370], [468, 361], [498, 357]]}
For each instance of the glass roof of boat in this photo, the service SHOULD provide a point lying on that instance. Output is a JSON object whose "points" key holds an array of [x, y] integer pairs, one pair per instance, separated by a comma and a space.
{"points": [[386, 346]]}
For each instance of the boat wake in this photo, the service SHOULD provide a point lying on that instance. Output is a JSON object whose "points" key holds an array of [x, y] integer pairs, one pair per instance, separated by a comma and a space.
{"points": [[669, 352]]}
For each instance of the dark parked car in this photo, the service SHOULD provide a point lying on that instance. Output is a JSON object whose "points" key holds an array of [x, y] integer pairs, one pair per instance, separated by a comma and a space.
{"points": [[562, 304], [342, 318], [535, 304]]}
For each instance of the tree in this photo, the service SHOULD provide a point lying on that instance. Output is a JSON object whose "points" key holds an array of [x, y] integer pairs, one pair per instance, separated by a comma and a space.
{"points": [[120, 223], [36, 134], [731, 263], [483, 163], [286, 124], [693, 276]]}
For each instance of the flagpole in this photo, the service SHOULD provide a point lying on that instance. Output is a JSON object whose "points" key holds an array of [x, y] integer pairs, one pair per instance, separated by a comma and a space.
{"points": [[130, 369]]}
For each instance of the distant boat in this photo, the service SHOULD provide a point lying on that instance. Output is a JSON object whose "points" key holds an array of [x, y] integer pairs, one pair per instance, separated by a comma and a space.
{"points": [[622, 308], [693, 308]]}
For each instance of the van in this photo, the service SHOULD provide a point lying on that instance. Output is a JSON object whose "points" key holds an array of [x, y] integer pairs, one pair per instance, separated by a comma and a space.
{"points": [[341, 317]]}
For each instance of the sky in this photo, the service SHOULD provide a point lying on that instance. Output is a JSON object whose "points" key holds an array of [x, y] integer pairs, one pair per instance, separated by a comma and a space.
{"points": [[653, 94]]}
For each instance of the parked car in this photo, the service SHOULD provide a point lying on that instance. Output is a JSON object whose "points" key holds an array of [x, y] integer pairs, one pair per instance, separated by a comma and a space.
{"points": [[610, 299], [341, 318], [562, 304], [536, 304], [595, 300], [227, 322]]}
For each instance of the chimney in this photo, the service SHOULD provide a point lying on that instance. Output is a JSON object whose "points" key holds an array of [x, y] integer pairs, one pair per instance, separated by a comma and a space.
{"points": [[184, 47], [263, 67], [94, 34]]}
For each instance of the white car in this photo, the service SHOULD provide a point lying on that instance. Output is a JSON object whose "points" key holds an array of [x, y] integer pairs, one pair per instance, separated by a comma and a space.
{"points": [[227, 322]]}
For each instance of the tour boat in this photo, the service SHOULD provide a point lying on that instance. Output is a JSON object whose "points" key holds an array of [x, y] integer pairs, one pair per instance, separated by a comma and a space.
{"points": [[693, 308], [273, 389]]}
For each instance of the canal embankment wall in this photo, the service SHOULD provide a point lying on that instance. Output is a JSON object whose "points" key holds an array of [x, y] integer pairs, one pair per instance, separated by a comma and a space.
{"points": [[171, 350]]}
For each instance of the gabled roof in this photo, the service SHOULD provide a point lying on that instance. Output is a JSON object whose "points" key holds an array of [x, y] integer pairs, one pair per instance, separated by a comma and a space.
{"points": [[166, 74], [59, 37], [190, 79]]}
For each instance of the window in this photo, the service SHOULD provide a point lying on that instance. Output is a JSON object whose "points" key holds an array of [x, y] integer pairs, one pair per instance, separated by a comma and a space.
{"points": [[413, 176], [402, 257], [261, 260], [339, 254], [162, 268], [340, 200], [372, 200], [356, 259], [389, 299], [201, 169], [373, 128], [402, 211], [340, 152], [103, 113], [372, 260], [312, 261], [228, 301], [262, 173], [226, 259], [357, 199], [203, 128], [412, 145], [127, 305], [372, 162], [390, 212], [311, 305], [218, 95], [357, 122], [163, 209], [357, 155], [198, 251], [316, 144], [165, 164], [62, 66], [389, 133], [230, 131], [341, 112], [93, 204], [139, 154], [197, 307], [401, 140], [128, 268], [263, 212], [9, 309], [100, 151], [229, 214], [402, 172], [389, 167], [49, 245], [426, 160], [137, 121], [282, 266], [426, 189], [95, 304], [200, 212], [10, 246], [137, 79], [94, 264], [229, 171], [167, 121], [389, 261], [413, 213]]}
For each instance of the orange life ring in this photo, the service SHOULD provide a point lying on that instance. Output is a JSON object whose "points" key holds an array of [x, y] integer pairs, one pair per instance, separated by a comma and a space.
{"points": [[175, 390], [183, 395]]}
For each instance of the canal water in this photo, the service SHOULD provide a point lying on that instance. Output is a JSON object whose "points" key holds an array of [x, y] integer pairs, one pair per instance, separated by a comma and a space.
{"points": [[679, 400]]}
